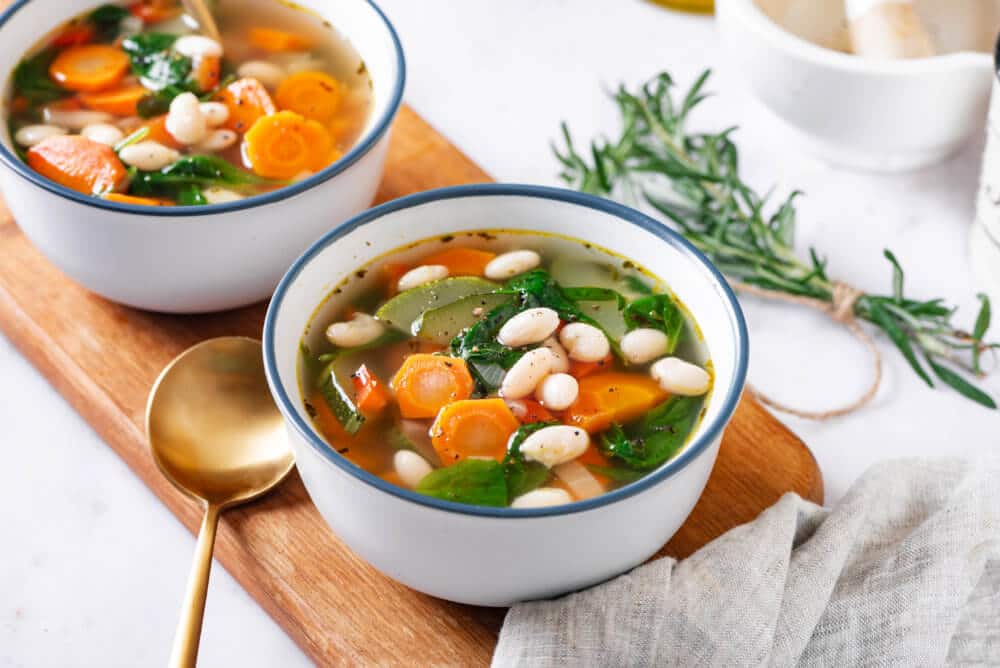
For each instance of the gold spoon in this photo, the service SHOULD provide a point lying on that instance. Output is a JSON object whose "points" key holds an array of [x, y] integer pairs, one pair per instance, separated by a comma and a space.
{"points": [[198, 10], [216, 435]]}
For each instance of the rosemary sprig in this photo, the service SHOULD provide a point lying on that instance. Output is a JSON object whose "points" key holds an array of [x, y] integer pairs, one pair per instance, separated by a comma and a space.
{"points": [[693, 179]]}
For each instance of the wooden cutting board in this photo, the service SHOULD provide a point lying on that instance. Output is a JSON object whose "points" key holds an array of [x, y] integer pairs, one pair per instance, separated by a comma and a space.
{"points": [[103, 358]]}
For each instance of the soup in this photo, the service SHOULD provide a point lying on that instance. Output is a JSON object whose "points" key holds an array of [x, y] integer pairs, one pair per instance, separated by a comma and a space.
{"points": [[503, 368], [129, 104]]}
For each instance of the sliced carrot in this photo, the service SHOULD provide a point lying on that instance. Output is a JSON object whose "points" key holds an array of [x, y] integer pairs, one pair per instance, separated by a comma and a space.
{"points": [[74, 34], [529, 410], [360, 449], [66, 104], [120, 101], [247, 100], [89, 67], [611, 397], [425, 383], [276, 41], [395, 355], [315, 95], [205, 72], [78, 163], [371, 394], [158, 132], [283, 145], [154, 11], [394, 271], [473, 428], [461, 261], [133, 199], [583, 369]]}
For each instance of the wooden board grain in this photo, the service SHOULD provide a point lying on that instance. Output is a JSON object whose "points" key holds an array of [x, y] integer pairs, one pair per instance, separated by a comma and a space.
{"points": [[103, 359]]}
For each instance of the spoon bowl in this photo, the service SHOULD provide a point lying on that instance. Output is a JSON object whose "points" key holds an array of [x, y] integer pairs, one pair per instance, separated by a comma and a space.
{"points": [[216, 434]]}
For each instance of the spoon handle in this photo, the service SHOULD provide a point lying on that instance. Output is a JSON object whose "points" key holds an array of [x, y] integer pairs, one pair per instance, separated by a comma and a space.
{"points": [[185, 651]]}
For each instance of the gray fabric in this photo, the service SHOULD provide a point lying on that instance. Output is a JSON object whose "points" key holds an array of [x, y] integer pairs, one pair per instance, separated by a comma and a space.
{"points": [[904, 571]]}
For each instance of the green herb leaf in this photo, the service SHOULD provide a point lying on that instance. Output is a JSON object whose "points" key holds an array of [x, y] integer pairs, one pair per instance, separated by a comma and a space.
{"points": [[618, 474], [658, 312], [882, 318], [649, 442], [31, 79], [961, 385], [477, 482], [636, 284], [106, 20], [190, 195]]}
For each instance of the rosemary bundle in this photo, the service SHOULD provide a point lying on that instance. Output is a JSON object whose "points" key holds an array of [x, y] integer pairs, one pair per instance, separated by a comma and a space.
{"points": [[693, 179]]}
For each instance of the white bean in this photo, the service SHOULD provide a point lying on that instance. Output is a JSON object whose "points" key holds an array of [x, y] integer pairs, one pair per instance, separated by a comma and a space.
{"points": [[411, 467], [217, 140], [30, 135], [104, 133], [197, 46], [584, 343], [555, 445], [560, 360], [542, 498], [216, 195], [185, 122], [74, 119], [357, 331], [644, 345], [679, 377], [418, 276], [267, 73], [148, 155], [215, 113], [511, 264], [558, 391], [527, 327], [522, 378]]}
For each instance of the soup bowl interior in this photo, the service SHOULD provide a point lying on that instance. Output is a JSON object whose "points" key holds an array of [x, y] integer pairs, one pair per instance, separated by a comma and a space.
{"points": [[198, 258], [438, 546]]}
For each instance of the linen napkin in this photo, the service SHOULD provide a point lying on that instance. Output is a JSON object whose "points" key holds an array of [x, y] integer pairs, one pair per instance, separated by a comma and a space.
{"points": [[904, 571]]}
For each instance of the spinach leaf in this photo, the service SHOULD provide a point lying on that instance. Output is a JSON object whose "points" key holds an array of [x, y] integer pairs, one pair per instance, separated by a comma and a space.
{"points": [[190, 195], [106, 20], [647, 443], [595, 295], [636, 284], [31, 79], [154, 62], [478, 482], [523, 476], [622, 475], [186, 179], [487, 358], [657, 312]]}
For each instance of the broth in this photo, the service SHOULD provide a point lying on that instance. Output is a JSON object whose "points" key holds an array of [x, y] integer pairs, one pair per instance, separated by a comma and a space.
{"points": [[128, 104], [452, 333]]}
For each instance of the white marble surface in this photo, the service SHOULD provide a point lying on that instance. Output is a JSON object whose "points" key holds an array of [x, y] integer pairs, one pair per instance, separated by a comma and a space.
{"points": [[93, 566]]}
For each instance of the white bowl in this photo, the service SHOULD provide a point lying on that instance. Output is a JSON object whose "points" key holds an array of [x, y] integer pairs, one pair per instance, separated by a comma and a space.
{"points": [[497, 556], [200, 258], [870, 114]]}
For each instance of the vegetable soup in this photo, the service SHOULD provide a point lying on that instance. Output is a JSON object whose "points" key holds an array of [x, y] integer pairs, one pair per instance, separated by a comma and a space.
{"points": [[130, 104], [504, 368]]}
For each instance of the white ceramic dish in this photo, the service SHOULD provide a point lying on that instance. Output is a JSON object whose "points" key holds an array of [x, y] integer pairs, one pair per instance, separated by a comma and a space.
{"points": [[496, 556], [878, 115], [201, 258]]}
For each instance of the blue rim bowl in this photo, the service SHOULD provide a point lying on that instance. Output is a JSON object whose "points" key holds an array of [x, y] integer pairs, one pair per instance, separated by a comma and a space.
{"points": [[730, 397]]}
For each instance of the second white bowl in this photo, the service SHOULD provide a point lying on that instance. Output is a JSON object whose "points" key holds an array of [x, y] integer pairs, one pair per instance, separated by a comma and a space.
{"points": [[198, 258]]}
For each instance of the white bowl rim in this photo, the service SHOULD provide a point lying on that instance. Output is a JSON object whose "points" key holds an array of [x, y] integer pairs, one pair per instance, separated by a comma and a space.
{"points": [[850, 63], [713, 430], [365, 144]]}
